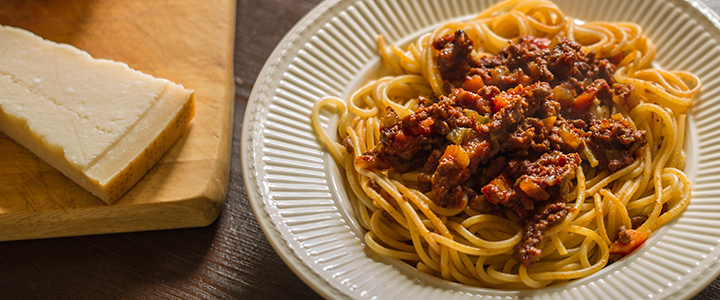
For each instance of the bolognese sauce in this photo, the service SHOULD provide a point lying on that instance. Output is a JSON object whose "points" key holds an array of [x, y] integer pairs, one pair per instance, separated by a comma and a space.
{"points": [[511, 131]]}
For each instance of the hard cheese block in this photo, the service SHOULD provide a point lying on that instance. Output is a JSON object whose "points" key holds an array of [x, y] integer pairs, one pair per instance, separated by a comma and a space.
{"points": [[97, 121]]}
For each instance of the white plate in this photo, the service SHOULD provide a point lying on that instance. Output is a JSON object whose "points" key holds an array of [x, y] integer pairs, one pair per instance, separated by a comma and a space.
{"points": [[300, 202]]}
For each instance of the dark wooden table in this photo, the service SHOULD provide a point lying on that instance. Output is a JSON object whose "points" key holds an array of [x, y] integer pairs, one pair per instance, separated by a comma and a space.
{"points": [[230, 259]]}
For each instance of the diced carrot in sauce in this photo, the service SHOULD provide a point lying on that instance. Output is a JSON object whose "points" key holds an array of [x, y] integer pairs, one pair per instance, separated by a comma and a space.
{"points": [[583, 101], [473, 84], [502, 100], [549, 122], [457, 154], [426, 127], [637, 238]]}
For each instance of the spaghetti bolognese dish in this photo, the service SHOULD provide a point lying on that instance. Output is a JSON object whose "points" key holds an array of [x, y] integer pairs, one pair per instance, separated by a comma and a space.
{"points": [[519, 149]]}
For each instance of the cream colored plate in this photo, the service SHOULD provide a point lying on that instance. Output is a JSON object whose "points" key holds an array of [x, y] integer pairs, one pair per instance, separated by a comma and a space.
{"points": [[300, 202]]}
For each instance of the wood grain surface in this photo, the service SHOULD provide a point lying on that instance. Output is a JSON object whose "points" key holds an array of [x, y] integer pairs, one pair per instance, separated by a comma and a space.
{"points": [[188, 42], [230, 259]]}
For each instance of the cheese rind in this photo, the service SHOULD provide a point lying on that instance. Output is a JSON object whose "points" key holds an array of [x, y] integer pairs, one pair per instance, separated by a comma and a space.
{"points": [[97, 121]]}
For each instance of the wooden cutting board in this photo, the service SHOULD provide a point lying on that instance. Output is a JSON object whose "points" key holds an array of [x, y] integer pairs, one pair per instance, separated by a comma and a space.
{"points": [[189, 42]]}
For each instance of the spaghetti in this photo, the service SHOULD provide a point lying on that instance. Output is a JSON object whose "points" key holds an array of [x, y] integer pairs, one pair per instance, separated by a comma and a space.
{"points": [[518, 149]]}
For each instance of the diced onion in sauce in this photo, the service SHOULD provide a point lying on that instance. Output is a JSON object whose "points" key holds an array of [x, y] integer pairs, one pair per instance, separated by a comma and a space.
{"points": [[533, 190], [459, 135], [477, 117], [570, 138]]}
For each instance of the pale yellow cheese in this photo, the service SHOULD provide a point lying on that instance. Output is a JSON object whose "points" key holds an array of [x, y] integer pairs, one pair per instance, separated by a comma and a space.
{"points": [[97, 121]]}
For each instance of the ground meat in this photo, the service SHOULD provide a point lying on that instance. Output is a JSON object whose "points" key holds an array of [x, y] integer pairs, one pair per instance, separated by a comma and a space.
{"points": [[565, 137], [521, 63], [523, 137], [551, 173], [514, 105], [548, 108], [371, 161], [347, 143], [637, 221], [614, 143], [424, 182], [433, 160], [625, 96], [454, 58], [531, 60], [479, 204], [623, 235], [578, 123], [501, 191], [624, 238], [508, 132], [399, 137], [374, 185], [527, 251], [479, 102], [406, 143], [480, 150], [599, 89], [628, 240], [562, 60], [528, 181], [489, 171], [451, 172]]}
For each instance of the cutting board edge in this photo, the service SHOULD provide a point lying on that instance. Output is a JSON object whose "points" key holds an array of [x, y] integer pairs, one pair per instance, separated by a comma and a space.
{"points": [[185, 213]]}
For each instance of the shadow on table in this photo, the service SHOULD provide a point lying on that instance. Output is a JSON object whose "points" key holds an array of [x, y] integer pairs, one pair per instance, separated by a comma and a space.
{"points": [[106, 266]]}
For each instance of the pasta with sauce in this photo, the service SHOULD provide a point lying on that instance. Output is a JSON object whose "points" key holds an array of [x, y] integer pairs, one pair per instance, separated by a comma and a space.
{"points": [[518, 149]]}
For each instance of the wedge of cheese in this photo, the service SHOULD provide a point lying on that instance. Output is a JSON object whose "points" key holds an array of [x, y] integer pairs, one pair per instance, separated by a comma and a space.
{"points": [[97, 121]]}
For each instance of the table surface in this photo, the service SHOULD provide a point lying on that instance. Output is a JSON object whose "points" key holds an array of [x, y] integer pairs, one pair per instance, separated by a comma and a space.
{"points": [[230, 259]]}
